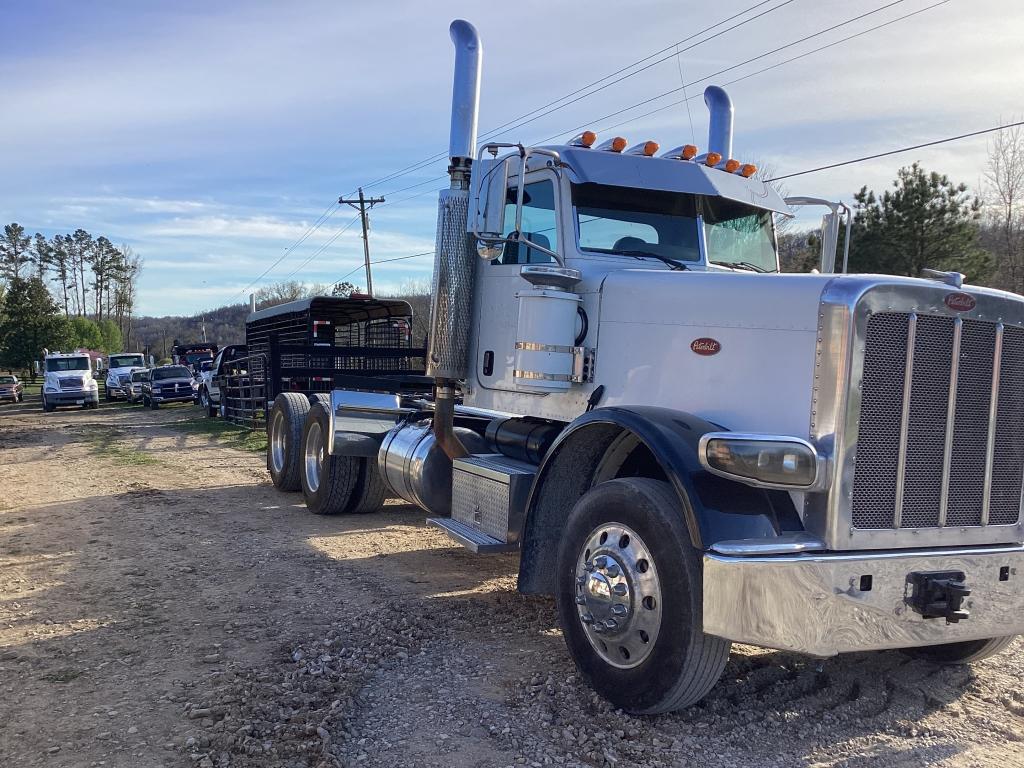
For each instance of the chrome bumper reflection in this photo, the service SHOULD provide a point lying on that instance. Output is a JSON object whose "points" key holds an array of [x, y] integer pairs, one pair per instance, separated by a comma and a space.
{"points": [[814, 604]]}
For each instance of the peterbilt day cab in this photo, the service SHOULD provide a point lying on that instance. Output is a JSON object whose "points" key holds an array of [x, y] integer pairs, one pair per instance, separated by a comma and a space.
{"points": [[685, 447], [68, 380]]}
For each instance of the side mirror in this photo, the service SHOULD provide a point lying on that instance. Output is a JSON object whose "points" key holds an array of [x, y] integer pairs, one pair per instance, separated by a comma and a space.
{"points": [[487, 194], [829, 241]]}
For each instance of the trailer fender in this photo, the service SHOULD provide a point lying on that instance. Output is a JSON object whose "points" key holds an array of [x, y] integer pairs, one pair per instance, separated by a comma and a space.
{"points": [[641, 441]]}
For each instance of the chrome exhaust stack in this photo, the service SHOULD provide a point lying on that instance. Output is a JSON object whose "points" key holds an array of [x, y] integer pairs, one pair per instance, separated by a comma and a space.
{"points": [[451, 309], [720, 121]]}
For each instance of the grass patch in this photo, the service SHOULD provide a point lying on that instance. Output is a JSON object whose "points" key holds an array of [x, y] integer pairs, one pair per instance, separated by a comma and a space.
{"points": [[104, 442], [224, 433]]}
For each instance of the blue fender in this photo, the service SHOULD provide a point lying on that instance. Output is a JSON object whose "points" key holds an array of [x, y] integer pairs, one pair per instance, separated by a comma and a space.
{"points": [[714, 508]]}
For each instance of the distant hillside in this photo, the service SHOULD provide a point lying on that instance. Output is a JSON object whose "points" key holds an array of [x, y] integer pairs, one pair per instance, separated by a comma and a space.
{"points": [[224, 325]]}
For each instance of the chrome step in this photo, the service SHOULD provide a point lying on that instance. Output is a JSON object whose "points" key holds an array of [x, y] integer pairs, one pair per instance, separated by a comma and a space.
{"points": [[470, 537]]}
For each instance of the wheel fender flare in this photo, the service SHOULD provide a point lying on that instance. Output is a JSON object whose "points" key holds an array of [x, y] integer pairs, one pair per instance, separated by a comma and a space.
{"points": [[714, 508]]}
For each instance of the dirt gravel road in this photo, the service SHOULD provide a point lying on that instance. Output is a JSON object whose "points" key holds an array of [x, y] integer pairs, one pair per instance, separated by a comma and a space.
{"points": [[161, 604]]}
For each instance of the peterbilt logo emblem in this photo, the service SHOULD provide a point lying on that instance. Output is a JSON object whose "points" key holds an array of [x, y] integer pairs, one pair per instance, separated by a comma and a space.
{"points": [[706, 346], [960, 302]]}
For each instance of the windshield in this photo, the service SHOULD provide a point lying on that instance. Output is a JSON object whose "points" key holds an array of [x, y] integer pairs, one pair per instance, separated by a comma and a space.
{"points": [[739, 236], [7, 379], [126, 361], [172, 372], [636, 221], [67, 364], [194, 356], [139, 375], [646, 222]]}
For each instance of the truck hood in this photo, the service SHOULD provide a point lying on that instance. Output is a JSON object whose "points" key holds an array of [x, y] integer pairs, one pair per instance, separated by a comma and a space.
{"points": [[53, 378], [735, 349]]}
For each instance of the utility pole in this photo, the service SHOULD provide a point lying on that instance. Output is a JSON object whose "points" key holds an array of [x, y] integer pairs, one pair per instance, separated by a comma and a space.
{"points": [[361, 204]]}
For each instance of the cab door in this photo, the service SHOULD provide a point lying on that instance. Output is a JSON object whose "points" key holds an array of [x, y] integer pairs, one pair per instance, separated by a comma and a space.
{"points": [[498, 281]]}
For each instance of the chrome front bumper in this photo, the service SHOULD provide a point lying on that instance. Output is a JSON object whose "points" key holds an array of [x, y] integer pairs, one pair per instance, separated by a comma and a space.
{"points": [[814, 604]]}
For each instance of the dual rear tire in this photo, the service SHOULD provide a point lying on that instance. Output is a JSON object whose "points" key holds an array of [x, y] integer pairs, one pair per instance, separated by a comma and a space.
{"points": [[298, 460]]}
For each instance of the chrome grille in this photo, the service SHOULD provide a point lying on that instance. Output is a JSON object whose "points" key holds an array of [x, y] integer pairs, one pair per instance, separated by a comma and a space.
{"points": [[933, 449], [69, 383]]}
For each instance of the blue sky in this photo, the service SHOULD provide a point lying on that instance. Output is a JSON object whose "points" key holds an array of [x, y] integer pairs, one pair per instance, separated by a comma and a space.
{"points": [[209, 136]]}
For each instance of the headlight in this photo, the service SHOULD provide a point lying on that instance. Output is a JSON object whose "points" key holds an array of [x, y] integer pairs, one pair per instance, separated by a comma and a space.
{"points": [[49, 388], [93, 384], [766, 461]]}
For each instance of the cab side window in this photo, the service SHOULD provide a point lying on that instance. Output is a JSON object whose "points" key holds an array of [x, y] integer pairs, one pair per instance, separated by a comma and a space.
{"points": [[540, 224]]}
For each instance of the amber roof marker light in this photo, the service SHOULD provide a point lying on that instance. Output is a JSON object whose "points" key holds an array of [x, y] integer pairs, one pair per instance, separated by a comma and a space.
{"points": [[585, 139], [747, 170], [646, 148], [616, 144]]}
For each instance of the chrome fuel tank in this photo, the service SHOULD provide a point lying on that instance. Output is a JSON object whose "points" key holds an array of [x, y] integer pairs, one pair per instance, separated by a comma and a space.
{"points": [[416, 468]]}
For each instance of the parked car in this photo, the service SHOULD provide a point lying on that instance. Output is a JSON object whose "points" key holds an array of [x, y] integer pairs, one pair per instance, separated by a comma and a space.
{"points": [[209, 378], [11, 389], [133, 392], [168, 384]]}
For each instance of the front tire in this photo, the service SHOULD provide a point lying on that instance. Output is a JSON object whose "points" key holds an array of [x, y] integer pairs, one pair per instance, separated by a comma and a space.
{"points": [[327, 481], [284, 439], [47, 407], [205, 404], [630, 599], [960, 653]]}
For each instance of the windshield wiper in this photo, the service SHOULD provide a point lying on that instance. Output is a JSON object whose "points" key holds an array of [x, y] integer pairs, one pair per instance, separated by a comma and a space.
{"points": [[648, 255], [744, 265]]}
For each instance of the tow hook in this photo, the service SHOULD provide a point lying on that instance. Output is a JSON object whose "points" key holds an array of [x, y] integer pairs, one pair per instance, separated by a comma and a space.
{"points": [[939, 594]]}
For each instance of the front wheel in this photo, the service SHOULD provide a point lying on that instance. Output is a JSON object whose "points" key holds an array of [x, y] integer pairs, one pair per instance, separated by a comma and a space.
{"points": [[630, 599], [960, 653]]}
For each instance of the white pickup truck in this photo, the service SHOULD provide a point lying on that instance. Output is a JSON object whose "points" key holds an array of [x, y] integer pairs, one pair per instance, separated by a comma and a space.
{"points": [[119, 373], [69, 381]]}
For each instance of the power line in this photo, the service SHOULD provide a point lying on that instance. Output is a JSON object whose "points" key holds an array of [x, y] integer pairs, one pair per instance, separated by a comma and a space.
{"points": [[321, 220], [325, 246], [778, 64], [729, 69], [684, 86], [497, 129], [899, 151], [385, 261]]}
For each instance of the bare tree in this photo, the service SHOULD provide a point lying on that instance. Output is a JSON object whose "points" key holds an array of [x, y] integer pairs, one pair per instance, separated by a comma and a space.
{"points": [[1004, 199], [288, 290]]}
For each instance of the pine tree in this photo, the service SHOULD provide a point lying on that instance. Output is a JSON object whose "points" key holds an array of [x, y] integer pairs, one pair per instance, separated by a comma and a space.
{"points": [[31, 323], [924, 221], [14, 252]]}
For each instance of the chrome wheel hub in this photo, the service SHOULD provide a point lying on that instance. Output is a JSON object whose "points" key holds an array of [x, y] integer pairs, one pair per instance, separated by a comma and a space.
{"points": [[277, 442], [618, 595], [313, 456]]}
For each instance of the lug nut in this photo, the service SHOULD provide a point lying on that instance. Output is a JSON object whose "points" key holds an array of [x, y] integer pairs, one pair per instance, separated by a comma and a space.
{"points": [[611, 623], [581, 600], [612, 570], [581, 580], [620, 589], [601, 561], [588, 566], [587, 618], [619, 609], [599, 627]]}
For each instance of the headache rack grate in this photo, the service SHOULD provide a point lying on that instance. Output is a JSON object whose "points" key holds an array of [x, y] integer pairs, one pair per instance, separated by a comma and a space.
{"points": [[941, 428]]}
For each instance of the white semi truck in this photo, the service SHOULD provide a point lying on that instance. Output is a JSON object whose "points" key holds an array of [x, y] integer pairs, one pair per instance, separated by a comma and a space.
{"points": [[686, 448], [68, 380], [119, 373]]}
